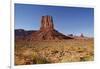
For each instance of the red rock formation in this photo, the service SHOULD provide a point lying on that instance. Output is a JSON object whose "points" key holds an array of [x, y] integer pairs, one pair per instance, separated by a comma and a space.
{"points": [[47, 31], [81, 35], [46, 23]]}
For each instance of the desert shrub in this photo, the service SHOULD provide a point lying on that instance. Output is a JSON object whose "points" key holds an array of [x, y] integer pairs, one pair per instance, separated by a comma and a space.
{"points": [[54, 52], [69, 59], [37, 59], [87, 58]]}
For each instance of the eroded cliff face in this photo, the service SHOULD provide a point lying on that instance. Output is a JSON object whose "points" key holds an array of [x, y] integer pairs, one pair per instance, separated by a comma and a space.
{"points": [[47, 23], [47, 31]]}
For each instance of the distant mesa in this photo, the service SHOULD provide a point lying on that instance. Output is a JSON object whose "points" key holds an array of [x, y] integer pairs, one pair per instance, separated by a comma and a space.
{"points": [[46, 31], [81, 35], [70, 35]]}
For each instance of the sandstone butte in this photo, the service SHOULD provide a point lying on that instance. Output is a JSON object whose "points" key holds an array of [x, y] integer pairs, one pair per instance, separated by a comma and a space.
{"points": [[46, 31]]}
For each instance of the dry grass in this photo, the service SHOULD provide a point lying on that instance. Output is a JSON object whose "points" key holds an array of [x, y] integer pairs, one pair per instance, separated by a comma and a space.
{"points": [[42, 52]]}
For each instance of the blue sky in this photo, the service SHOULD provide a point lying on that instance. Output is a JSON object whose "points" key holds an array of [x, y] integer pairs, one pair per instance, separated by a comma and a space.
{"points": [[67, 20]]}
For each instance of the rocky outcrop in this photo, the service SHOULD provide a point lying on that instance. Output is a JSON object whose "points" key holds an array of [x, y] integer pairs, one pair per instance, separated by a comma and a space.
{"points": [[47, 23], [46, 32], [81, 35], [21, 33]]}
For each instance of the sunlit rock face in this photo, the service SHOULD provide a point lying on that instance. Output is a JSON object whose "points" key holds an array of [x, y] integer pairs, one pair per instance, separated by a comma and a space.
{"points": [[47, 23]]}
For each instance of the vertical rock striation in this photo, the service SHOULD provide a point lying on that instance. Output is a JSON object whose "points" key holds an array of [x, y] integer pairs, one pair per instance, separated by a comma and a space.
{"points": [[46, 23]]}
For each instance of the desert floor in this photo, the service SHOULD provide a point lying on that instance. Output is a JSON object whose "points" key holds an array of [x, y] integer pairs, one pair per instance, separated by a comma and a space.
{"points": [[62, 51]]}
